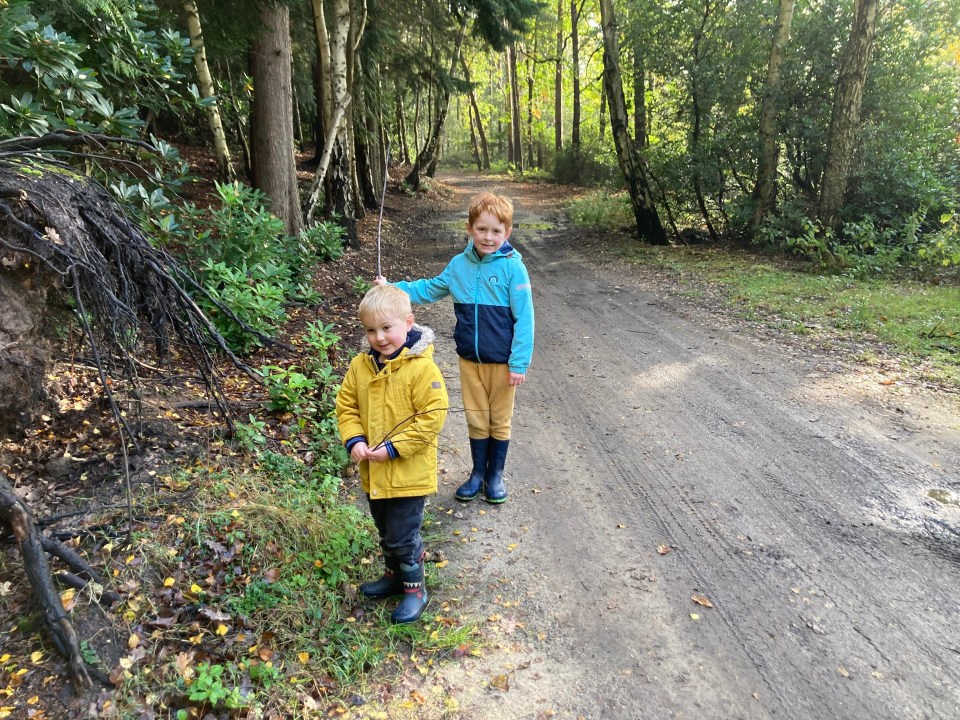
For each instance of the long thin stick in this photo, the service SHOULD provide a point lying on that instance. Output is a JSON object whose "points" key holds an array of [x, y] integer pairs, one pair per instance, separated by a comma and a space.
{"points": [[383, 197]]}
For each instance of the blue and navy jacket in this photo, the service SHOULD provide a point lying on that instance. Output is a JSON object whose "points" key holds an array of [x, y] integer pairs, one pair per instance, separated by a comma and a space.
{"points": [[493, 303]]}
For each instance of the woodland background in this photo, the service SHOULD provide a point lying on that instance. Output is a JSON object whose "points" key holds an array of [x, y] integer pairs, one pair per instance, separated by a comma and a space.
{"points": [[175, 177]]}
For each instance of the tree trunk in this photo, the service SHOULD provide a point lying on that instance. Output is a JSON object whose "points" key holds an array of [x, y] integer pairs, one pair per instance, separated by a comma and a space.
{"points": [[484, 148], [696, 97], [340, 183], [515, 121], [220, 150], [558, 84], [575, 48], [630, 161], [402, 130], [639, 97], [765, 189], [274, 168], [845, 120], [531, 70], [603, 111]]}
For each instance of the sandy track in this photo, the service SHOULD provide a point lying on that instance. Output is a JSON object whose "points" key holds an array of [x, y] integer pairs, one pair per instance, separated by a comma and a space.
{"points": [[661, 453]]}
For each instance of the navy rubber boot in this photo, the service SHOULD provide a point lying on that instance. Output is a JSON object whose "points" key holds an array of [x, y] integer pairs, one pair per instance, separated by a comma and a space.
{"points": [[388, 585], [474, 484], [494, 491], [415, 596]]}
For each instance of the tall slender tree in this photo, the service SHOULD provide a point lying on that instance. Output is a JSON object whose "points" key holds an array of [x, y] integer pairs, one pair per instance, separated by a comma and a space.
{"points": [[765, 188], [207, 90], [631, 162], [847, 102]]}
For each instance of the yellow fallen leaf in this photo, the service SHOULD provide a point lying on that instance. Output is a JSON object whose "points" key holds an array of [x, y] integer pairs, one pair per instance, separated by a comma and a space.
{"points": [[694, 616], [169, 582], [4, 658], [36, 657], [512, 546], [133, 641], [303, 657], [222, 629], [33, 700]]}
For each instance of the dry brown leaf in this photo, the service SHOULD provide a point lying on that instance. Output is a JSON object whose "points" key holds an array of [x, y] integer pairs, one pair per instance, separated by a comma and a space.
{"points": [[702, 600]]}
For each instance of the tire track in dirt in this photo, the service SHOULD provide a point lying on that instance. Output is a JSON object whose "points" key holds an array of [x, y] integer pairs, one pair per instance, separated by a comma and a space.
{"points": [[787, 501]]}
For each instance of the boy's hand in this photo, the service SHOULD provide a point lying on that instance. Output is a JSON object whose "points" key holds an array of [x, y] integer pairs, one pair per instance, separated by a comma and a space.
{"points": [[378, 454], [359, 451], [379, 280], [517, 378]]}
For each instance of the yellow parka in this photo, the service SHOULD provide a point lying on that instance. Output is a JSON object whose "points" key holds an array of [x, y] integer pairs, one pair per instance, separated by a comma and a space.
{"points": [[404, 404]]}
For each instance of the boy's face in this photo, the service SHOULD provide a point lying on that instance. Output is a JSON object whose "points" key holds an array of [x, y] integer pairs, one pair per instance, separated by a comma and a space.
{"points": [[387, 334], [488, 233]]}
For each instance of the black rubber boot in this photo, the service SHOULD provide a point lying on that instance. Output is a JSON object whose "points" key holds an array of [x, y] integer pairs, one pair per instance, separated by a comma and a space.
{"points": [[494, 491], [415, 597], [474, 484], [388, 585]]}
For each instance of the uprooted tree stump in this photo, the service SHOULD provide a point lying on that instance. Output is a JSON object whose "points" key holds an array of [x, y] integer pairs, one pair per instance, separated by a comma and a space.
{"points": [[67, 249]]}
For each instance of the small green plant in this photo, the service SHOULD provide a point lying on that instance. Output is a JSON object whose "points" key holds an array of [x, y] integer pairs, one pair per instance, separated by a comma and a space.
{"points": [[210, 686], [323, 241], [250, 437], [361, 285], [289, 389]]}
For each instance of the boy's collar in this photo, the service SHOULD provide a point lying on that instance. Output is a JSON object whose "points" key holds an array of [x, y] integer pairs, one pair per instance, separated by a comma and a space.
{"points": [[504, 249]]}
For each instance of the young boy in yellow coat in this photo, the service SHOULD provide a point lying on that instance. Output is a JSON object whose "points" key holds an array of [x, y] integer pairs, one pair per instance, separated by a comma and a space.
{"points": [[390, 409]]}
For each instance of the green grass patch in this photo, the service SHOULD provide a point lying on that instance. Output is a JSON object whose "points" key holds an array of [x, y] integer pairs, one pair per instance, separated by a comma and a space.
{"points": [[918, 321], [248, 601], [602, 209]]}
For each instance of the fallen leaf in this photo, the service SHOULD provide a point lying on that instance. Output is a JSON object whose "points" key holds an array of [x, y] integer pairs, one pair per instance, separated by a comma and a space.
{"points": [[663, 549], [702, 600], [694, 616], [169, 582], [500, 682]]}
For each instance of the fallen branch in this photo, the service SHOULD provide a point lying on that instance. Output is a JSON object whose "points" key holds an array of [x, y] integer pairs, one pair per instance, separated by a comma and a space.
{"points": [[35, 566]]}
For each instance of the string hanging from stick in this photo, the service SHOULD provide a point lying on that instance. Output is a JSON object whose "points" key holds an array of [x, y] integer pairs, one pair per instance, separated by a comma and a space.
{"points": [[383, 197]]}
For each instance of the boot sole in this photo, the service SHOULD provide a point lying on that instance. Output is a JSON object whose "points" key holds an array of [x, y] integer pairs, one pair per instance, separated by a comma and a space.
{"points": [[466, 499], [498, 501], [381, 596]]}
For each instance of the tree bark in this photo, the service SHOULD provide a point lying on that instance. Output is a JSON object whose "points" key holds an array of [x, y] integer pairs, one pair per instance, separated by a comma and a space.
{"points": [[274, 168], [531, 73], [765, 189], [575, 49], [558, 84], [220, 149], [37, 570], [515, 121], [631, 162], [639, 97], [845, 119], [340, 183]]}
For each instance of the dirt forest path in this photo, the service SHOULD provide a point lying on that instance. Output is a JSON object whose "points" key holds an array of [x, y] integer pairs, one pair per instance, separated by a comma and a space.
{"points": [[666, 460]]}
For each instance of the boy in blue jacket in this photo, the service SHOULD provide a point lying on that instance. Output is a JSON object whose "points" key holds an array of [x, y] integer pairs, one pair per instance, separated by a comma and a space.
{"points": [[493, 303]]}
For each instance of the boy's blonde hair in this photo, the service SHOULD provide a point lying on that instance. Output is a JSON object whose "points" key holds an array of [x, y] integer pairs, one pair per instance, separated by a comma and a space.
{"points": [[384, 301], [497, 205]]}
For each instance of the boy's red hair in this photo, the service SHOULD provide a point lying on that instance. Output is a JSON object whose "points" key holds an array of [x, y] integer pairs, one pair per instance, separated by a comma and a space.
{"points": [[497, 205]]}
